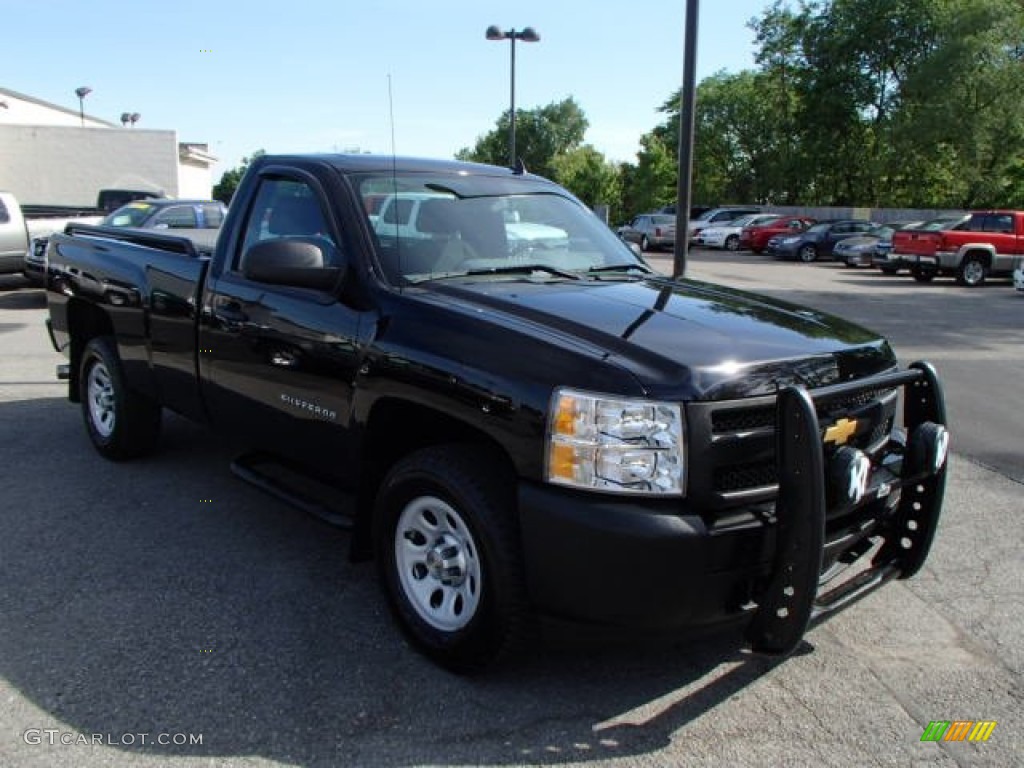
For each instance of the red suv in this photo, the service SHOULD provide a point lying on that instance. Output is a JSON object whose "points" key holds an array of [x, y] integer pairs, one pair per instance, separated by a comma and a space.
{"points": [[756, 237]]}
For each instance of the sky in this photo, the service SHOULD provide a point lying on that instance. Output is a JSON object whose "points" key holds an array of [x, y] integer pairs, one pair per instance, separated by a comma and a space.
{"points": [[417, 77]]}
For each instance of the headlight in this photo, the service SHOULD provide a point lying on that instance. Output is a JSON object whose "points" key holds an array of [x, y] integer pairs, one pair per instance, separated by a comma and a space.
{"points": [[615, 445], [789, 240]]}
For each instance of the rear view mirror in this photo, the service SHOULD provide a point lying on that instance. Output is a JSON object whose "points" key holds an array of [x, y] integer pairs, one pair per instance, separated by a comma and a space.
{"points": [[301, 262]]}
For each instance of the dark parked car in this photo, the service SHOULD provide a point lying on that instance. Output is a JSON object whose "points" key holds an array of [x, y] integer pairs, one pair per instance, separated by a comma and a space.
{"points": [[650, 230], [818, 241], [520, 436]]}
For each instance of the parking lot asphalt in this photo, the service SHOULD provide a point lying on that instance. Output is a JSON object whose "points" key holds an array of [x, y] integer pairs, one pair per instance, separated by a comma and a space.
{"points": [[164, 600]]}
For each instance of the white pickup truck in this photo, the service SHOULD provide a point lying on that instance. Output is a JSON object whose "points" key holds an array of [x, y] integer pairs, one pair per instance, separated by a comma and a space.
{"points": [[19, 234]]}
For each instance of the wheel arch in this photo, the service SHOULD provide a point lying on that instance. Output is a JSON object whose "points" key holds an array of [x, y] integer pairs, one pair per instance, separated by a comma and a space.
{"points": [[396, 428], [86, 321], [981, 250]]}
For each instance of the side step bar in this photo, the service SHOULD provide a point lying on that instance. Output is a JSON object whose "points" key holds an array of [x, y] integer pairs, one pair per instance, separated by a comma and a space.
{"points": [[297, 488]]}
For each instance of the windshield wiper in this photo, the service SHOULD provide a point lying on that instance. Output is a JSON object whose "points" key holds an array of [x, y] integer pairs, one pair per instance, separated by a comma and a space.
{"points": [[620, 268], [520, 269]]}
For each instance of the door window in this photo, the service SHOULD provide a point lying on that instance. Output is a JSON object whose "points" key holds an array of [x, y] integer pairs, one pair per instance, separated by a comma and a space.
{"points": [[288, 208], [176, 217]]}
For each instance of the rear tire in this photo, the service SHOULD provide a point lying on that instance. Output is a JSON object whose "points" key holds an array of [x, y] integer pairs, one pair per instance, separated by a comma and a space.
{"points": [[922, 276], [889, 270], [449, 555], [122, 424]]}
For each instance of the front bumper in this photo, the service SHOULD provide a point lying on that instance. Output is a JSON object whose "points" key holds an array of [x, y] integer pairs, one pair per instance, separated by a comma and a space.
{"points": [[857, 258], [660, 564], [34, 264]]}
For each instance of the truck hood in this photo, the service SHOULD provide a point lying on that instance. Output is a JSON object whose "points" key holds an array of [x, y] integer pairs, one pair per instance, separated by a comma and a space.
{"points": [[681, 339]]}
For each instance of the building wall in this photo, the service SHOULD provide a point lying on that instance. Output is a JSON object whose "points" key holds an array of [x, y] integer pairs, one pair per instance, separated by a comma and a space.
{"points": [[194, 180], [23, 110], [68, 165]]}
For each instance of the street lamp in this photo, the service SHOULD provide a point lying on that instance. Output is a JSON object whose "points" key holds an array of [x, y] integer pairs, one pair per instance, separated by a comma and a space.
{"points": [[130, 117], [527, 35], [81, 92]]}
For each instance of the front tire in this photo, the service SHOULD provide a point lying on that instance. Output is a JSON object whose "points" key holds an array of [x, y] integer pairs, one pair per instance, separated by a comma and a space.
{"points": [[645, 244], [121, 423], [732, 243], [807, 254], [449, 555]]}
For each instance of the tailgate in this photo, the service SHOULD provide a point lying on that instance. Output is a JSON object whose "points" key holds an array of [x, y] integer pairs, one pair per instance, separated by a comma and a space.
{"points": [[916, 243]]}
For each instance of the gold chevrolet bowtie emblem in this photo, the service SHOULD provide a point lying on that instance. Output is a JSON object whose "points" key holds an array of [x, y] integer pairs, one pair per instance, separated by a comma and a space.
{"points": [[841, 431]]}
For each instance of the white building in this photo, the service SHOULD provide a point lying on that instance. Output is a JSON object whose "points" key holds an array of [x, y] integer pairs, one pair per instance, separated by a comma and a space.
{"points": [[58, 156]]}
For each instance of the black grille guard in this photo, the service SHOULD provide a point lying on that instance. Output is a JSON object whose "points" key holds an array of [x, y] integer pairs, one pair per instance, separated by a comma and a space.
{"points": [[793, 596]]}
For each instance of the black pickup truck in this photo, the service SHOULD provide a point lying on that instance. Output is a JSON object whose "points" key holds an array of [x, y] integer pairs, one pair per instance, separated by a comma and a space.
{"points": [[517, 417]]}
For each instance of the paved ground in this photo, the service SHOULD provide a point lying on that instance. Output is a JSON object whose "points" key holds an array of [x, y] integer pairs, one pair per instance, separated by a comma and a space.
{"points": [[130, 605]]}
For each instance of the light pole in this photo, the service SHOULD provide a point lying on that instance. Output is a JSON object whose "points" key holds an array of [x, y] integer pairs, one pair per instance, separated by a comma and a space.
{"points": [[687, 112], [527, 35], [81, 92]]}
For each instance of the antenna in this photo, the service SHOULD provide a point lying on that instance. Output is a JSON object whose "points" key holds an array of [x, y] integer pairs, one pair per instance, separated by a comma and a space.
{"points": [[394, 181], [391, 118]]}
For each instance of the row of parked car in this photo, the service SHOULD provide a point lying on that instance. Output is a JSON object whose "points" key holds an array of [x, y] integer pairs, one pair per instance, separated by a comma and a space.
{"points": [[988, 243]]}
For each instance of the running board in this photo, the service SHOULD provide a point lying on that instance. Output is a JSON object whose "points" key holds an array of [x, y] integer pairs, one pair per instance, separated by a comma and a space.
{"points": [[281, 480]]}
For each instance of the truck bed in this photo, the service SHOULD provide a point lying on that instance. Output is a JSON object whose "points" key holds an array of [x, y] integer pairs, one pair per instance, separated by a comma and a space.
{"points": [[123, 270]]}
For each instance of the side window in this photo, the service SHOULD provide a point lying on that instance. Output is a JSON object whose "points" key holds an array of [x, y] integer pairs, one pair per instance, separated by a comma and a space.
{"points": [[974, 224], [176, 217], [4, 215], [287, 208], [1003, 223], [398, 211], [213, 216]]}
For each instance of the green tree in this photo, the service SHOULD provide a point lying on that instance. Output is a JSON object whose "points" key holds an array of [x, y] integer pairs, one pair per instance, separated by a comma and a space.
{"points": [[542, 134], [963, 110], [224, 190], [587, 174], [651, 183]]}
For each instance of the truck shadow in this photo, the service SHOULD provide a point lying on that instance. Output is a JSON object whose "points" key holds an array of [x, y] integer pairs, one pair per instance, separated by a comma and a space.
{"points": [[165, 596], [17, 293]]}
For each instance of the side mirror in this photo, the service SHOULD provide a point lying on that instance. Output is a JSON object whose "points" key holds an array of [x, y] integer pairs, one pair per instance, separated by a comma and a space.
{"points": [[300, 262]]}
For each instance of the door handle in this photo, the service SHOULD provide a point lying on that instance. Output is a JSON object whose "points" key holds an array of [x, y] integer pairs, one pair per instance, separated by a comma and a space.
{"points": [[230, 315]]}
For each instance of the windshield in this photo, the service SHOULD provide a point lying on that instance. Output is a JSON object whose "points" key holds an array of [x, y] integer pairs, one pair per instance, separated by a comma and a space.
{"points": [[131, 215], [431, 227]]}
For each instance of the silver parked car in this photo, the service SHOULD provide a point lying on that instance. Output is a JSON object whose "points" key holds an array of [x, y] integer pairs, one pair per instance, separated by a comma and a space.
{"points": [[650, 231]]}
